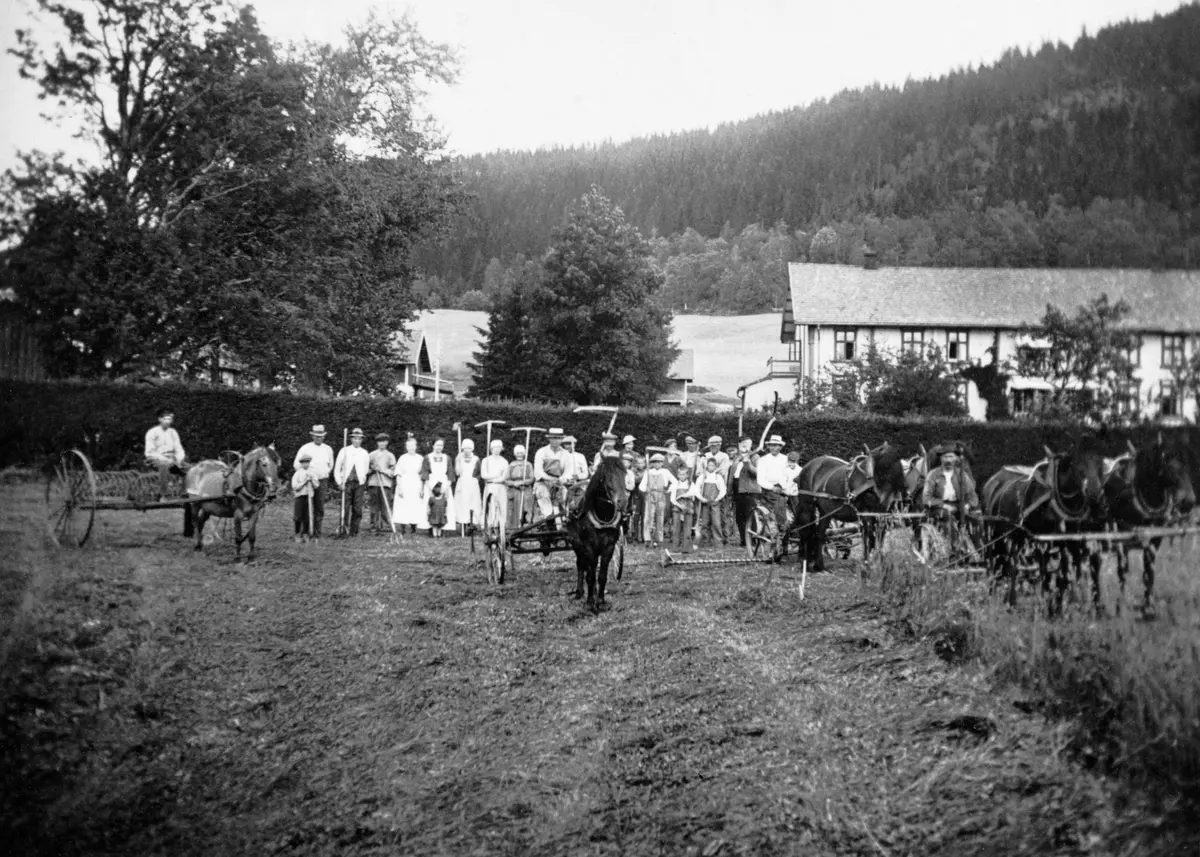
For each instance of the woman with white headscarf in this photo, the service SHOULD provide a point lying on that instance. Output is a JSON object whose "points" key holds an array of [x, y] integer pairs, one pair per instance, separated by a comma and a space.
{"points": [[520, 490], [467, 500], [494, 471], [408, 505], [436, 471]]}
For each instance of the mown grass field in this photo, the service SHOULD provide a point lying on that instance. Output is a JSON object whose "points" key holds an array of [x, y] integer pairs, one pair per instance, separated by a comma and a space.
{"points": [[363, 697]]}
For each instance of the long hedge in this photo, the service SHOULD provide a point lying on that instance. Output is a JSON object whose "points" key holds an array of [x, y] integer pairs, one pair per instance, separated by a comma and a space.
{"points": [[40, 419]]}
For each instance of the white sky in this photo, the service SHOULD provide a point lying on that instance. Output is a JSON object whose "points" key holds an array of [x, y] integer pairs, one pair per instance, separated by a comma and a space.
{"points": [[539, 73]]}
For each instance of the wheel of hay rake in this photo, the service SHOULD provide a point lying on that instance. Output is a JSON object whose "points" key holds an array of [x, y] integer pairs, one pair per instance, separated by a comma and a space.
{"points": [[71, 500], [494, 540], [761, 538]]}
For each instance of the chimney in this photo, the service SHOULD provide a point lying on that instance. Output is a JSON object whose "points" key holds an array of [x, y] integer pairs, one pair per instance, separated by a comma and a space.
{"points": [[870, 260]]}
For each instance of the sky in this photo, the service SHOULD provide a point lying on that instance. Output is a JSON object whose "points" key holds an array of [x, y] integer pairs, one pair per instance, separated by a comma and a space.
{"points": [[542, 73]]}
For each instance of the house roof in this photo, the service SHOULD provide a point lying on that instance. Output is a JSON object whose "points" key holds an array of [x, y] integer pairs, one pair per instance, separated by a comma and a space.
{"points": [[1166, 301], [684, 367], [412, 348]]}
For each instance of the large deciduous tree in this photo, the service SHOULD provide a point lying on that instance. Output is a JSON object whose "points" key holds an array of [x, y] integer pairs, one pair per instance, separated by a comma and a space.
{"points": [[589, 327], [246, 201]]}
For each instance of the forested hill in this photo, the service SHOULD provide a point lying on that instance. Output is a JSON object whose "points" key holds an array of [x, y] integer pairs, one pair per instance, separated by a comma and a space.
{"points": [[1104, 134]]}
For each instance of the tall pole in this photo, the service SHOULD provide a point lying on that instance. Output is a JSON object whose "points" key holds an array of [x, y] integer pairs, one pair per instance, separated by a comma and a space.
{"points": [[437, 372]]}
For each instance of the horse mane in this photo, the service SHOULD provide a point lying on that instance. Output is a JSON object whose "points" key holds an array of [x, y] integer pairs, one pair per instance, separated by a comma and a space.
{"points": [[888, 460]]}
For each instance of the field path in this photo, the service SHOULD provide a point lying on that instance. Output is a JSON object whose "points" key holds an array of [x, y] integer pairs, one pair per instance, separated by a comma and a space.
{"points": [[367, 698]]}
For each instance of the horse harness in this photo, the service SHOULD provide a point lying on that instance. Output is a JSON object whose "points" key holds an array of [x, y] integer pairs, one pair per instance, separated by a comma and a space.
{"points": [[851, 495], [1045, 473], [1127, 465]]}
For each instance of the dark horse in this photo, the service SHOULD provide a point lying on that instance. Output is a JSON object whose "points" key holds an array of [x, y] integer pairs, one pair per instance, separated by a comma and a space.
{"points": [[1064, 492], [595, 527], [1146, 487], [834, 489], [241, 491]]}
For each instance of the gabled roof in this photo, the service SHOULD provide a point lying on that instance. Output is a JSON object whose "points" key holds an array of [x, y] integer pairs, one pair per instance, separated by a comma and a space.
{"points": [[412, 348], [684, 367], [1165, 301]]}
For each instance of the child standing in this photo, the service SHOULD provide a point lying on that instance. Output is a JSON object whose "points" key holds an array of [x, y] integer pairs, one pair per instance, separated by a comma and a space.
{"points": [[437, 511], [683, 499], [656, 486], [710, 492], [304, 485]]}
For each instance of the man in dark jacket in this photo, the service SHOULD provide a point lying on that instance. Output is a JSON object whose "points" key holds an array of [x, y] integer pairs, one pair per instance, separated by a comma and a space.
{"points": [[743, 485]]}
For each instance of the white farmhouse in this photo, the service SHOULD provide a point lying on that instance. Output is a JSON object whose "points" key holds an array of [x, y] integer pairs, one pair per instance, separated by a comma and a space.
{"points": [[969, 312]]}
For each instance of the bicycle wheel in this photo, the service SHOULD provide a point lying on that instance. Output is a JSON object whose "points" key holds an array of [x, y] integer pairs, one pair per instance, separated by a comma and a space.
{"points": [[762, 540]]}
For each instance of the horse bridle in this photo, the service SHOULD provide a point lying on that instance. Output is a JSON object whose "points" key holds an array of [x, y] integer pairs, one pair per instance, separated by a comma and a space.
{"points": [[1135, 495], [614, 522], [243, 489], [852, 495]]}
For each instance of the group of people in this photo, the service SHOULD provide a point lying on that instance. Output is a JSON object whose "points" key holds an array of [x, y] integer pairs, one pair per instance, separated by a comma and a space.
{"points": [[682, 495]]}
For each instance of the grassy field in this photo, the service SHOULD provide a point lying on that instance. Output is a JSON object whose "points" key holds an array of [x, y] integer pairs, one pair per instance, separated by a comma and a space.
{"points": [[362, 697], [730, 350]]}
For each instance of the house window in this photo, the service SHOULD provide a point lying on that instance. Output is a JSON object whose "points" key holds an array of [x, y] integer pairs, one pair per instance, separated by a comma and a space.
{"points": [[1168, 399], [1134, 354], [1025, 402], [843, 343], [1128, 399], [912, 341], [960, 393], [1172, 352], [794, 350], [956, 346], [1034, 361]]}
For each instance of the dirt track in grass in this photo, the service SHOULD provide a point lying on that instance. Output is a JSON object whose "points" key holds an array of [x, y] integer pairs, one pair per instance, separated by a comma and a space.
{"points": [[361, 697]]}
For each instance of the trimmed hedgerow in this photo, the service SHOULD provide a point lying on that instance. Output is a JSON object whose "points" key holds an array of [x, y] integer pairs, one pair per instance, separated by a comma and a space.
{"points": [[109, 420]]}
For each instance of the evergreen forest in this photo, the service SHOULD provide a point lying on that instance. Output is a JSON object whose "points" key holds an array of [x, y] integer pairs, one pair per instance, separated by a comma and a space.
{"points": [[1084, 155]]}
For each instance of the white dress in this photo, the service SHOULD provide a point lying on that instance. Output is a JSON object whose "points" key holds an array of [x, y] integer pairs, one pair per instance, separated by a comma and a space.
{"points": [[467, 500], [437, 466], [408, 506]]}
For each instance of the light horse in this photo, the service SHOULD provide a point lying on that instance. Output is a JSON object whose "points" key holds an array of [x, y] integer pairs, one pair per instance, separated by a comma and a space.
{"points": [[594, 528], [244, 490], [1147, 486], [1064, 492], [834, 489]]}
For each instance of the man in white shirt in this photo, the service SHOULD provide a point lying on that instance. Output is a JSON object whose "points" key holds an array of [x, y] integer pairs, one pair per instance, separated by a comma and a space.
{"points": [[577, 474], [350, 473], [772, 477], [321, 466], [164, 451], [550, 466]]}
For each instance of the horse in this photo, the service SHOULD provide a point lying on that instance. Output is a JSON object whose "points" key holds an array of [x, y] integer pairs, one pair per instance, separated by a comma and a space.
{"points": [[594, 528], [245, 488], [1145, 487], [1063, 492], [835, 489]]}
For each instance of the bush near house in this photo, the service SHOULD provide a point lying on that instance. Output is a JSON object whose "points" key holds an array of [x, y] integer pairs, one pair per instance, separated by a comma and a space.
{"points": [[39, 419]]}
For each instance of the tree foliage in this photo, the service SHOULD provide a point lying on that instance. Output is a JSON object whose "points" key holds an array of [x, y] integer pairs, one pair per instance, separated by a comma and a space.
{"points": [[1087, 357], [247, 202], [587, 327]]}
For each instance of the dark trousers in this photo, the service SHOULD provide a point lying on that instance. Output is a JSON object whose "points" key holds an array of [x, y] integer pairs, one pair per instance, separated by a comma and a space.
{"points": [[777, 501], [354, 506], [381, 505], [318, 505], [743, 505], [683, 529], [300, 515]]}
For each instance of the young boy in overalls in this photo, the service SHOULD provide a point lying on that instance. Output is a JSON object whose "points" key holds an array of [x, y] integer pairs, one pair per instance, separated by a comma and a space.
{"points": [[710, 491], [655, 487], [683, 499]]}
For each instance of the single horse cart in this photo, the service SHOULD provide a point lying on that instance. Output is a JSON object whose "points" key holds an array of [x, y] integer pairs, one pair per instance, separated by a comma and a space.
{"points": [[75, 492]]}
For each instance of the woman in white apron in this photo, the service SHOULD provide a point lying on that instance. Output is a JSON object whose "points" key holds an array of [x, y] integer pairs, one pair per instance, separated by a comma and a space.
{"points": [[467, 500], [408, 509], [437, 472], [494, 471]]}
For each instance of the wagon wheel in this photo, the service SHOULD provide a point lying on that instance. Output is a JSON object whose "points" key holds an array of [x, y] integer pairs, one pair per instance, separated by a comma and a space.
{"points": [[494, 540], [71, 500]]}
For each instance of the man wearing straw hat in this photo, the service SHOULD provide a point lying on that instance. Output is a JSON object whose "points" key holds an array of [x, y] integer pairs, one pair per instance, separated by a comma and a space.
{"points": [[321, 465], [350, 474], [772, 477], [381, 483], [550, 465]]}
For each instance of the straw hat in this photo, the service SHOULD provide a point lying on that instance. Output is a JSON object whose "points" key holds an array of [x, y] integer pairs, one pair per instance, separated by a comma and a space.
{"points": [[775, 440]]}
